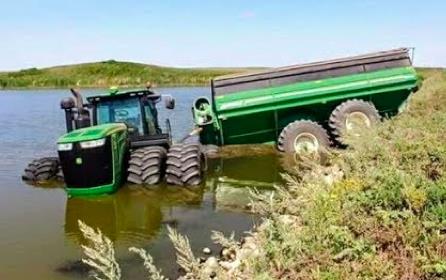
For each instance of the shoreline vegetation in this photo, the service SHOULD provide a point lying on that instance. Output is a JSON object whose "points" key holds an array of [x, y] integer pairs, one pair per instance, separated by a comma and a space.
{"points": [[374, 210], [123, 74], [111, 73]]}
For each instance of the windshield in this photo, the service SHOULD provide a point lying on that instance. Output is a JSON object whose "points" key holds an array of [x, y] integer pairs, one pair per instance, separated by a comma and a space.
{"points": [[126, 110]]}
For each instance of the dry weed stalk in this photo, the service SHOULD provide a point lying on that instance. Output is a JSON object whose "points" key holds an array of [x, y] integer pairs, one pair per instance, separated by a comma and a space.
{"points": [[185, 256], [154, 272], [101, 254], [226, 242]]}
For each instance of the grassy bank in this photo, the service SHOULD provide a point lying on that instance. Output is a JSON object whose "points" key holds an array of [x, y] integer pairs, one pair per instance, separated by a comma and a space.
{"points": [[110, 73]]}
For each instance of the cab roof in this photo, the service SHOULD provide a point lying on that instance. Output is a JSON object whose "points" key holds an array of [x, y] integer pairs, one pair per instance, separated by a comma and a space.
{"points": [[122, 95]]}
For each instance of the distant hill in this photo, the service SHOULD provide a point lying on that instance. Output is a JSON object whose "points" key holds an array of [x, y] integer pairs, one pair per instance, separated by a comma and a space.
{"points": [[117, 73], [111, 73]]}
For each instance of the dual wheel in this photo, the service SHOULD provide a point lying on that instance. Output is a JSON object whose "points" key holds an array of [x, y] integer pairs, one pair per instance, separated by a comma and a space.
{"points": [[182, 165], [308, 137], [43, 169]]}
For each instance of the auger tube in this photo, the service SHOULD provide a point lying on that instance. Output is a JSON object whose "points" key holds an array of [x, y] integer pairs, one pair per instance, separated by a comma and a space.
{"points": [[194, 131]]}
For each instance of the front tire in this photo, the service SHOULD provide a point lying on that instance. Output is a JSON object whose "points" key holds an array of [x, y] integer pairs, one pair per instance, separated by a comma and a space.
{"points": [[146, 165], [43, 169], [185, 164], [303, 137]]}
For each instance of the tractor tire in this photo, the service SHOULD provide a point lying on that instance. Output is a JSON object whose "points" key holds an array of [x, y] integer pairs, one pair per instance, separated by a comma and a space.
{"points": [[342, 118], [42, 169], [185, 164], [303, 137], [146, 165]]}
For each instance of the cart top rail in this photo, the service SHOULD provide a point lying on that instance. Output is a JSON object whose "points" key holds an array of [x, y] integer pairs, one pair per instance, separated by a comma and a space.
{"points": [[311, 71]]}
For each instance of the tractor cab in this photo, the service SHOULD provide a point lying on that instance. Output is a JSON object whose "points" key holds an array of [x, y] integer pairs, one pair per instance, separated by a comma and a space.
{"points": [[137, 110]]}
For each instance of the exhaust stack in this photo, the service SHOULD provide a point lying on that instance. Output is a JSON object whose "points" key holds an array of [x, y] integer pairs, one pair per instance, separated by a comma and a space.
{"points": [[76, 114]]}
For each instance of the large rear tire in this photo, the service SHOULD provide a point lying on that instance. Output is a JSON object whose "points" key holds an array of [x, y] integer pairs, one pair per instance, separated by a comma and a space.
{"points": [[303, 138], [43, 169], [350, 117], [146, 165], [185, 164]]}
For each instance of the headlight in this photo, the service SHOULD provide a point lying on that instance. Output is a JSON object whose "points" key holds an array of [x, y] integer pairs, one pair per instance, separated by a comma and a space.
{"points": [[92, 143], [65, 146]]}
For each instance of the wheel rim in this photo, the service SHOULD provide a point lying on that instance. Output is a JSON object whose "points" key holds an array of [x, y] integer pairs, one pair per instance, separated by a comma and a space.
{"points": [[306, 143], [355, 122]]}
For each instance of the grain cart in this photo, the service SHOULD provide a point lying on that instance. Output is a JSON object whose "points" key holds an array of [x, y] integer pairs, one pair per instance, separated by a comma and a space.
{"points": [[115, 136], [305, 108]]}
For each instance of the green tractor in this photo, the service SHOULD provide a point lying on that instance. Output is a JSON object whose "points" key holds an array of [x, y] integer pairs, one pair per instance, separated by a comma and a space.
{"points": [[117, 137]]}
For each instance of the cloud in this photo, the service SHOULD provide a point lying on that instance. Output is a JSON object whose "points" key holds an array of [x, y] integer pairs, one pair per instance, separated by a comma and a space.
{"points": [[247, 14]]}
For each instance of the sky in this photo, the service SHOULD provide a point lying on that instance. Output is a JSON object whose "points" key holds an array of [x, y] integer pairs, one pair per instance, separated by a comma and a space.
{"points": [[211, 33]]}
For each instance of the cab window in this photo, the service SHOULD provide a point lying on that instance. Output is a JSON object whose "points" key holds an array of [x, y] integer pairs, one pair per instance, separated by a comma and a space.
{"points": [[127, 111], [152, 118]]}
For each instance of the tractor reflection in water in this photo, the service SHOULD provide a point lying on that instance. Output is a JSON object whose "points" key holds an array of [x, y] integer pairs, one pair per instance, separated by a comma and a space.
{"points": [[132, 216], [137, 213]]}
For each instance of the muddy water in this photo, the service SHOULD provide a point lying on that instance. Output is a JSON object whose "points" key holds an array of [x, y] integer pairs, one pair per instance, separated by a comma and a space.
{"points": [[39, 237]]}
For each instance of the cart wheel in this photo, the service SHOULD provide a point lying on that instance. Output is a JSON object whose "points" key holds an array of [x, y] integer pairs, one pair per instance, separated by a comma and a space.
{"points": [[352, 116], [303, 138]]}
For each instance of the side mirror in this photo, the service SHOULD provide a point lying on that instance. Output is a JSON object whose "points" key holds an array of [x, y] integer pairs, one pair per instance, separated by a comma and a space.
{"points": [[67, 103], [169, 102]]}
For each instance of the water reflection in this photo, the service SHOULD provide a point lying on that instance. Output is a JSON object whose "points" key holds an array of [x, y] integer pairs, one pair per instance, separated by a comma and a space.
{"points": [[131, 216], [135, 214]]}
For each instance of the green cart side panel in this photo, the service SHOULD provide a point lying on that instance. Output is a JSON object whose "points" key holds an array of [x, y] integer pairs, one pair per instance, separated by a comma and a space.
{"points": [[258, 116], [314, 92]]}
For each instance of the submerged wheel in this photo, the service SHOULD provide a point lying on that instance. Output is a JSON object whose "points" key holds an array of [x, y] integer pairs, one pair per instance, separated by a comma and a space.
{"points": [[350, 117], [146, 165], [43, 169], [185, 164], [303, 137]]}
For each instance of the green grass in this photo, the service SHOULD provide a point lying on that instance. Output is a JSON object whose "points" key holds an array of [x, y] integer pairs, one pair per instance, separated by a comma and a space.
{"points": [[111, 73]]}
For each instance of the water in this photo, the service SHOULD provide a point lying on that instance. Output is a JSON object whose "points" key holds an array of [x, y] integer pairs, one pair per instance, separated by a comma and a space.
{"points": [[39, 237]]}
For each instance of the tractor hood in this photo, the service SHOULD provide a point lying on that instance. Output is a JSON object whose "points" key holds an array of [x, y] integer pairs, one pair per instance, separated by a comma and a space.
{"points": [[92, 133]]}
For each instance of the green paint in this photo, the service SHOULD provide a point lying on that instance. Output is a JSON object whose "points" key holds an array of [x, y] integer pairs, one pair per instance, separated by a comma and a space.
{"points": [[106, 189], [119, 148], [118, 133], [257, 116], [91, 133], [113, 90]]}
